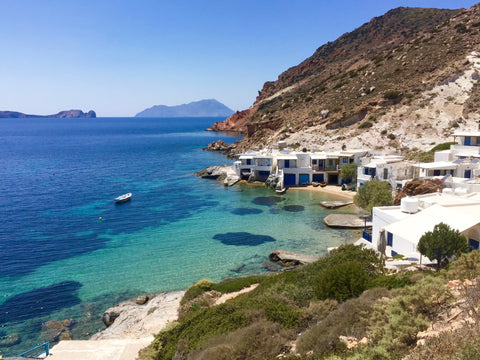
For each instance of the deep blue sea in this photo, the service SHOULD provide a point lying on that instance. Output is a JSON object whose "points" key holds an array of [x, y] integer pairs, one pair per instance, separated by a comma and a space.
{"points": [[58, 177]]}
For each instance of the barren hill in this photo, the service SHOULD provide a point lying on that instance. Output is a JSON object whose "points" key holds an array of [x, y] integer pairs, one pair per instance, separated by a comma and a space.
{"points": [[403, 81]]}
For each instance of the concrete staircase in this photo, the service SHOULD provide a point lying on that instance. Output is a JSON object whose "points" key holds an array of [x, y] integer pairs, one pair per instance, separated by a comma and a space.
{"points": [[113, 349]]}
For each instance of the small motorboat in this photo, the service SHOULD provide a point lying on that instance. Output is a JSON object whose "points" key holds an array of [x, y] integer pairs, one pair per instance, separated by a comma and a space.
{"points": [[323, 184], [315, 184], [123, 198], [281, 191]]}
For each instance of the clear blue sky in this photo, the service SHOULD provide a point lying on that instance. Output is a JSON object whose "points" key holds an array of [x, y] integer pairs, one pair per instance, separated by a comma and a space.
{"points": [[119, 57]]}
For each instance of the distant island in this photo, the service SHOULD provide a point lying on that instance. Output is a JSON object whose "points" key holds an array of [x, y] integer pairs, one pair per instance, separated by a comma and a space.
{"points": [[202, 108], [61, 114]]}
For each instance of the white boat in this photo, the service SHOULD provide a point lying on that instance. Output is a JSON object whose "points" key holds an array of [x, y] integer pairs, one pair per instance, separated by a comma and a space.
{"points": [[123, 198]]}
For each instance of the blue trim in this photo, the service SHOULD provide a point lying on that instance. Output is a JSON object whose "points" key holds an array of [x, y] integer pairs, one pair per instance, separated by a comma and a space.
{"points": [[389, 239]]}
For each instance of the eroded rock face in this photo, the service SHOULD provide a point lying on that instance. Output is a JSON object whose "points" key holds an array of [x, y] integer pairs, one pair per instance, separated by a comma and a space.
{"points": [[219, 146], [418, 187]]}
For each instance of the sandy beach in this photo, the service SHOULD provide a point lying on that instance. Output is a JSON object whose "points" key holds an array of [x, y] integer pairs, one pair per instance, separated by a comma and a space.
{"points": [[329, 189]]}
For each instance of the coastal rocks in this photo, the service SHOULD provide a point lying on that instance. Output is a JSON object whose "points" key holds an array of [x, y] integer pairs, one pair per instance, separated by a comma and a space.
{"points": [[219, 146], [335, 204], [54, 330], [129, 320], [9, 340], [290, 258], [272, 181], [223, 173], [346, 221]]}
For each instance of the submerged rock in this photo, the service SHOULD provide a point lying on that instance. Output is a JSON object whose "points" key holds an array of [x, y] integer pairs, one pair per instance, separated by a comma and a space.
{"points": [[54, 330], [10, 340]]}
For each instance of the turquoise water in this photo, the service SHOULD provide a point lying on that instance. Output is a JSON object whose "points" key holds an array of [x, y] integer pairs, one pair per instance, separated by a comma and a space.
{"points": [[59, 260]]}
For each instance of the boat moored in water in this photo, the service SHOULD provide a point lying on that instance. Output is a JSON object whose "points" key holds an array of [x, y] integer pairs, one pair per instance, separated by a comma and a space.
{"points": [[123, 198]]}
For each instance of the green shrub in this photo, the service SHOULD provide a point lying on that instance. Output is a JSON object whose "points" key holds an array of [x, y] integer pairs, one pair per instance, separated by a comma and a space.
{"points": [[391, 136], [384, 132], [261, 339], [365, 125], [236, 284], [342, 281], [467, 266], [391, 281], [392, 95]]}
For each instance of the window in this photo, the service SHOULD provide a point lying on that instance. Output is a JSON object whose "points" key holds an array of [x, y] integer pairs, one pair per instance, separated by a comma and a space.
{"points": [[314, 162], [389, 239], [436, 172], [385, 173], [249, 161]]}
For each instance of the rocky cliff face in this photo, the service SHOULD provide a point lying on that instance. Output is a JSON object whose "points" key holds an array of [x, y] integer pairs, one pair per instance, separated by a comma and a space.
{"points": [[61, 114], [403, 81]]}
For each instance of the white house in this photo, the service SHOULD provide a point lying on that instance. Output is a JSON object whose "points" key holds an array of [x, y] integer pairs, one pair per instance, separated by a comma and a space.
{"points": [[390, 168], [397, 229]]}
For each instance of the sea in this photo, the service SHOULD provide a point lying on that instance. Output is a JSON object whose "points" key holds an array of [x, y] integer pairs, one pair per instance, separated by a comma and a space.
{"points": [[67, 251]]}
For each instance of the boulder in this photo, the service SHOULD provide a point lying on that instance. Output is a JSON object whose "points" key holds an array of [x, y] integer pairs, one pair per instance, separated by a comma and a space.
{"points": [[335, 204], [109, 316], [142, 299]]}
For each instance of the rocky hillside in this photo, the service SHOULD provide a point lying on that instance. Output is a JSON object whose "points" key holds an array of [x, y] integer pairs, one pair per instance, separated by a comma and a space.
{"points": [[403, 81]]}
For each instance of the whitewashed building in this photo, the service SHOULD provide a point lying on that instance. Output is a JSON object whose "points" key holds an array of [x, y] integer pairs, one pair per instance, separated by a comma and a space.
{"points": [[397, 229]]}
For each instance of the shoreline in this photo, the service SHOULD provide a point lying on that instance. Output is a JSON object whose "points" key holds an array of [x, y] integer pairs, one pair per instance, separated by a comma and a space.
{"points": [[329, 189]]}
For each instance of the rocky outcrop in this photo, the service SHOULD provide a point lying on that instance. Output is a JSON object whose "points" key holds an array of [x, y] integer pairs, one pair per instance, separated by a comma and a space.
{"points": [[290, 258], [335, 204], [219, 146], [132, 319], [272, 181], [418, 187], [61, 114], [348, 221], [235, 123], [223, 173]]}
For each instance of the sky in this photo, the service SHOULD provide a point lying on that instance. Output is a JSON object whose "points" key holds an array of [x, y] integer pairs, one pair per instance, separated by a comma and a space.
{"points": [[119, 57]]}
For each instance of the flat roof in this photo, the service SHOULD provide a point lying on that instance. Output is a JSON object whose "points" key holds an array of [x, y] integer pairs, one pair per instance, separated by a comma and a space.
{"points": [[413, 227], [464, 133], [442, 165]]}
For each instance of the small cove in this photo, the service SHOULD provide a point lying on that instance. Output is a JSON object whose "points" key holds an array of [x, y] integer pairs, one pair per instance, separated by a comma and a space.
{"points": [[61, 175]]}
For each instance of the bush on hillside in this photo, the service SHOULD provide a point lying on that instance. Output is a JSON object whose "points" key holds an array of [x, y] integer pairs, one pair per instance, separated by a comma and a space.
{"points": [[342, 281]]}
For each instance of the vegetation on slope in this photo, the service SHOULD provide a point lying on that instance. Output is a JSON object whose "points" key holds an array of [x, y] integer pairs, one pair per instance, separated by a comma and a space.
{"points": [[313, 308]]}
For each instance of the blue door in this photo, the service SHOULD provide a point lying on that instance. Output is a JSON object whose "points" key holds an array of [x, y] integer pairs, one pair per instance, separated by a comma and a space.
{"points": [[304, 179], [473, 244], [289, 179], [468, 141], [287, 164], [318, 178], [468, 174]]}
